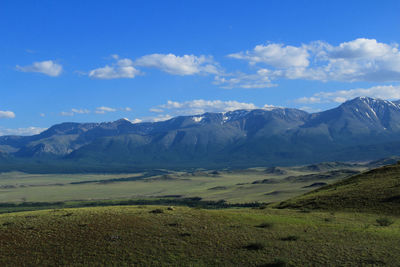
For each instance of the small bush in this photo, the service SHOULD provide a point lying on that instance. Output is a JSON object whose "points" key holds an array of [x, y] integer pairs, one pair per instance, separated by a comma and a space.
{"points": [[185, 234], [255, 246], [264, 225], [275, 263], [384, 221], [157, 211], [290, 238]]}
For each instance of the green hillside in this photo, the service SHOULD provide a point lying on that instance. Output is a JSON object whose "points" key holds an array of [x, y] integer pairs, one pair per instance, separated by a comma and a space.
{"points": [[180, 236], [376, 191]]}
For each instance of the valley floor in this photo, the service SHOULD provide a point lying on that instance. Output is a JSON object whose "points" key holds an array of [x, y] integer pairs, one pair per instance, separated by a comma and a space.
{"points": [[233, 186], [181, 236]]}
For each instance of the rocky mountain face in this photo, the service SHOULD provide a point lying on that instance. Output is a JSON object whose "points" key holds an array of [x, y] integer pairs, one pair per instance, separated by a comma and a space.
{"points": [[359, 129]]}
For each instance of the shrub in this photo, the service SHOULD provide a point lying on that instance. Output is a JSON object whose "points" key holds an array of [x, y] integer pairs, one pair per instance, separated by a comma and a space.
{"points": [[290, 238], [185, 234], [384, 221], [265, 225], [275, 263], [255, 246], [157, 211]]}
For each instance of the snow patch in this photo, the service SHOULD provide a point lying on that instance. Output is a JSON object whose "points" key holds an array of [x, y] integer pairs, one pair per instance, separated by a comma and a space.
{"points": [[197, 119], [270, 107]]}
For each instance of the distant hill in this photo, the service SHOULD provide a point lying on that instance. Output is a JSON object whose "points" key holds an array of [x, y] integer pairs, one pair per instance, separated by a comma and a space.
{"points": [[361, 129], [377, 190]]}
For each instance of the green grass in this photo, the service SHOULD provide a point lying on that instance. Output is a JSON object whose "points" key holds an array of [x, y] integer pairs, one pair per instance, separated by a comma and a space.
{"points": [[232, 186], [375, 191], [134, 235]]}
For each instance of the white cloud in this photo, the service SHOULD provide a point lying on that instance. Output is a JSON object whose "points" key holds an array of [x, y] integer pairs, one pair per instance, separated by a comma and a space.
{"points": [[361, 48], [276, 55], [21, 131], [123, 68], [98, 110], [270, 107], [7, 114], [80, 111], [42, 115], [102, 110], [66, 113], [179, 65], [156, 110], [161, 118], [200, 106], [309, 100], [309, 109], [357, 60], [240, 80], [47, 67], [388, 92], [74, 111]]}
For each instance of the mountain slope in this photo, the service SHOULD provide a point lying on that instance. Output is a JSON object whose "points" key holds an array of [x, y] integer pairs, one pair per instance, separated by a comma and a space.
{"points": [[359, 129], [377, 190], [361, 117]]}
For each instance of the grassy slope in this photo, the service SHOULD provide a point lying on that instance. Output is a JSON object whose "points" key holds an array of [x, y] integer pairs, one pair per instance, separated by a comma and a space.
{"points": [[376, 191], [193, 237]]}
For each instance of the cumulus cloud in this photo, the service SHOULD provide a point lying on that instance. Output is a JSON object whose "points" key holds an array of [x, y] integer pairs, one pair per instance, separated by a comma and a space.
{"points": [[47, 67], [102, 110], [7, 114], [21, 131], [179, 65], [200, 106], [122, 68], [261, 79], [389, 92], [276, 55], [357, 60]]}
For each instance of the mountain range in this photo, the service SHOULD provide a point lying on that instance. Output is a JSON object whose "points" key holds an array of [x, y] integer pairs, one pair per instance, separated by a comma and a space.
{"points": [[358, 130]]}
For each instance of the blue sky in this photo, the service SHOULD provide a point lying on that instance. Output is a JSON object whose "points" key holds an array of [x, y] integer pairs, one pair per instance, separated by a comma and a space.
{"points": [[94, 61]]}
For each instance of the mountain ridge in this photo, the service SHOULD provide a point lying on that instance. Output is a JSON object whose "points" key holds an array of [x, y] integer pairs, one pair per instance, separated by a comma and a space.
{"points": [[359, 129]]}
